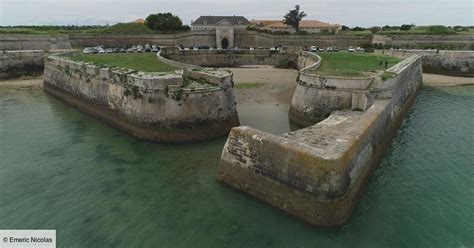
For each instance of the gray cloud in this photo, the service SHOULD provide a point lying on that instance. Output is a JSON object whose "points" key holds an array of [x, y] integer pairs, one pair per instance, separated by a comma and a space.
{"points": [[352, 13]]}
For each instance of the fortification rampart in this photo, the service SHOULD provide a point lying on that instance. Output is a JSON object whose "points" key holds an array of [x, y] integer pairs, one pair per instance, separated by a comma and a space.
{"points": [[316, 96], [319, 173], [248, 38], [187, 39], [174, 107], [444, 62], [21, 63], [34, 42], [287, 57], [450, 42]]}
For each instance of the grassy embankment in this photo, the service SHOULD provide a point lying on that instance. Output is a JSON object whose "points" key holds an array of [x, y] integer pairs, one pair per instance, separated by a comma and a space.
{"points": [[418, 30], [146, 62], [120, 28], [353, 64]]}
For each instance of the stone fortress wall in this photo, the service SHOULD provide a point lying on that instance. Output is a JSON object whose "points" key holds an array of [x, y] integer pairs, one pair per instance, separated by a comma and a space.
{"points": [[21, 63], [183, 106], [287, 57], [187, 39], [318, 173], [451, 42], [34, 42], [317, 96], [445, 62]]}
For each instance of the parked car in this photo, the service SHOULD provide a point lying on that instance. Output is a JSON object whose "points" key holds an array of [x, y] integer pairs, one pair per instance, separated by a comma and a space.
{"points": [[360, 49], [101, 50], [273, 48], [131, 50], [123, 50], [351, 49], [320, 49], [313, 49], [87, 50], [195, 48], [334, 49], [147, 48], [329, 49], [251, 48], [140, 49], [155, 49]]}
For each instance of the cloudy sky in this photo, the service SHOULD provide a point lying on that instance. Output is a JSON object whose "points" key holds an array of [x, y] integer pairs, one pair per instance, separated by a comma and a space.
{"points": [[348, 12]]}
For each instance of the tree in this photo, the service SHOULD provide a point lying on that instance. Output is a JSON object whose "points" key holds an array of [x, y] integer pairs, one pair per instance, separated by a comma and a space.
{"points": [[345, 28], [164, 22], [357, 28], [406, 27], [374, 29], [294, 17]]}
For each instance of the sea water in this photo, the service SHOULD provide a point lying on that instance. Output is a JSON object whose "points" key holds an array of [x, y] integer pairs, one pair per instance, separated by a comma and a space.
{"points": [[98, 187]]}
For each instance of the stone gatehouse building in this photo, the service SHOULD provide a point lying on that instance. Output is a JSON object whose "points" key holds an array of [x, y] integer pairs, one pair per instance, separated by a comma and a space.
{"points": [[224, 27]]}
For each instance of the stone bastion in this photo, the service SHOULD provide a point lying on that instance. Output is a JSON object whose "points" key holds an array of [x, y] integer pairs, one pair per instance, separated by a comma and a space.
{"points": [[320, 172], [173, 107]]}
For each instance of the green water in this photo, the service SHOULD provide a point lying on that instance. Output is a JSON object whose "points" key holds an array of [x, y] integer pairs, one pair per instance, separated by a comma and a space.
{"points": [[63, 170]]}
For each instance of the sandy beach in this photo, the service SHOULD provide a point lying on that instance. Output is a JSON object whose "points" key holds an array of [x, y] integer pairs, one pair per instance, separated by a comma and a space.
{"points": [[276, 85], [445, 81], [22, 83]]}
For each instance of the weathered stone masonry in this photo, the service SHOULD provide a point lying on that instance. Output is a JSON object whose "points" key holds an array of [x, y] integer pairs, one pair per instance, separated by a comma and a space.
{"points": [[187, 106], [319, 173], [287, 57]]}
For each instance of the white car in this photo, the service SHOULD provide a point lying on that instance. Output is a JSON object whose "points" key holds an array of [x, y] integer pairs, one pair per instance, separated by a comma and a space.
{"points": [[195, 48], [87, 50], [251, 48], [313, 49], [273, 49], [329, 49], [360, 49], [101, 50], [351, 49]]}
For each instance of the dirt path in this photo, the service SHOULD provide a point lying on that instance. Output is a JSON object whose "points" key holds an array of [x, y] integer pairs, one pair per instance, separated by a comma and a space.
{"points": [[441, 80], [264, 84]]}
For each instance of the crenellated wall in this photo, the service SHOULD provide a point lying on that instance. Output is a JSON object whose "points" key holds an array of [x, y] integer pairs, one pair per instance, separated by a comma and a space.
{"points": [[318, 173], [164, 107], [288, 57]]}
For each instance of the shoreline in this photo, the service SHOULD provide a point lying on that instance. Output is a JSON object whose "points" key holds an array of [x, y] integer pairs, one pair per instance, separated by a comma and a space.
{"points": [[435, 80], [276, 85], [22, 83]]}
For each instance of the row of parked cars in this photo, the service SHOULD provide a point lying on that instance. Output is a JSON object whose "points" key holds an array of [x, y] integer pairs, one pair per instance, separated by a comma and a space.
{"points": [[132, 49], [335, 49]]}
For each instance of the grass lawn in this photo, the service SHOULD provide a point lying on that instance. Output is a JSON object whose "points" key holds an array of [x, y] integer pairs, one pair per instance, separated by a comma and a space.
{"points": [[146, 62], [353, 64]]}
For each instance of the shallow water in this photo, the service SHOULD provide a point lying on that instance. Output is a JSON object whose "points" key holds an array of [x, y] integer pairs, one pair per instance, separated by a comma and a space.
{"points": [[98, 187]]}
